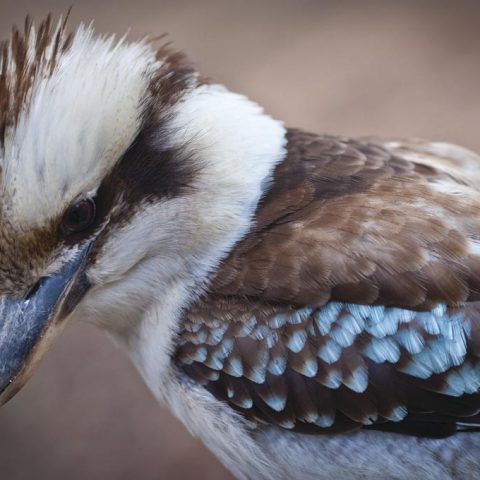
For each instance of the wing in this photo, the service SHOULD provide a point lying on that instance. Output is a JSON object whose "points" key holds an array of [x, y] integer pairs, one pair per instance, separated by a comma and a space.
{"points": [[338, 367], [353, 301]]}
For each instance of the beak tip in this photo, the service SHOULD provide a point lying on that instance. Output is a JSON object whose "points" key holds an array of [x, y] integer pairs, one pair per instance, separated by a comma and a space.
{"points": [[8, 392]]}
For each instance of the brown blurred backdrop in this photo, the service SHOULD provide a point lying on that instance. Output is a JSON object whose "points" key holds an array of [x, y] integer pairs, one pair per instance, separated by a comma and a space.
{"points": [[409, 68]]}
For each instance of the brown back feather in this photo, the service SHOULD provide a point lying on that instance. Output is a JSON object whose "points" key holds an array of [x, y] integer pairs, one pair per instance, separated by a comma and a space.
{"points": [[349, 221]]}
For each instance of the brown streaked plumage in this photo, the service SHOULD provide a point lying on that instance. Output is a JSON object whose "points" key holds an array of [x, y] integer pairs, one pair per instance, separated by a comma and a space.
{"points": [[34, 51], [17, 71]]}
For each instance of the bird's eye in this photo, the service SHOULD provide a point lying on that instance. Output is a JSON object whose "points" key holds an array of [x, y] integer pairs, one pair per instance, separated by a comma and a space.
{"points": [[79, 216]]}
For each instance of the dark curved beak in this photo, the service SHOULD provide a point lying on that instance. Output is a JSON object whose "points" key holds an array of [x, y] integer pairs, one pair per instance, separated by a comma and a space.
{"points": [[28, 325]]}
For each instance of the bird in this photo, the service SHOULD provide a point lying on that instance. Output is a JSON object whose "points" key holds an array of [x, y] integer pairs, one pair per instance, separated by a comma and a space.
{"points": [[308, 305]]}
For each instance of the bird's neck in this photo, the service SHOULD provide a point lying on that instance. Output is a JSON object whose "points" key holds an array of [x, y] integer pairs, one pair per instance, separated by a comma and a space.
{"points": [[237, 147]]}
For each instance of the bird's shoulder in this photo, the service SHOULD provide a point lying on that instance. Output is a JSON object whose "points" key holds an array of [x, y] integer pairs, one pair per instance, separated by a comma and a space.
{"points": [[352, 303], [362, 222]]}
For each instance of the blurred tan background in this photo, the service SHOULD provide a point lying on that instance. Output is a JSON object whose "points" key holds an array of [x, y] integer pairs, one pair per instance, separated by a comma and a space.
{"points": [[409, 68]]}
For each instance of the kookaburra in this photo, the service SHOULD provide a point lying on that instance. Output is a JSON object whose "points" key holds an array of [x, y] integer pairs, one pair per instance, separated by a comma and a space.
{"points": [[307, 305]]}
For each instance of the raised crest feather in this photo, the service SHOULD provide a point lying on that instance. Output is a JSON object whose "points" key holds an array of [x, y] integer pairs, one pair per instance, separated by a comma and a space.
{"points": [[27, 55]]}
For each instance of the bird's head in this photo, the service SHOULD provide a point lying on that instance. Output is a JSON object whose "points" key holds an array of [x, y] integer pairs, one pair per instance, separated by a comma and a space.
{"points": [[125, 178]]}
